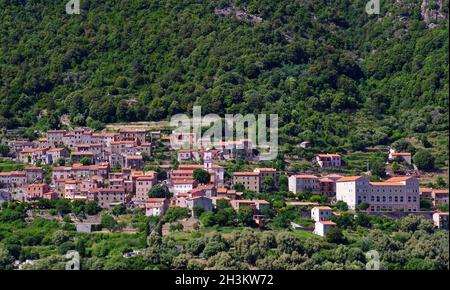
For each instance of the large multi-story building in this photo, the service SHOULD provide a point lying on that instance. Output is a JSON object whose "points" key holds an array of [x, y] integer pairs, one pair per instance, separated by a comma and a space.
{"points": [[304, 182], [329, 160], [396, 194], [250, 180], [156, 206], [143, 186]]}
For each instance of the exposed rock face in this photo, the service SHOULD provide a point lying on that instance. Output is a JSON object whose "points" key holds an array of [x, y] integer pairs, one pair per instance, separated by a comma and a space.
{"points": [[238, 13], [432, 12]]}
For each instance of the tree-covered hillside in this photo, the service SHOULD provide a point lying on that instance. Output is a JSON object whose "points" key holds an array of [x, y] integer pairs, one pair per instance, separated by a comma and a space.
{"points": [[334, 74]]}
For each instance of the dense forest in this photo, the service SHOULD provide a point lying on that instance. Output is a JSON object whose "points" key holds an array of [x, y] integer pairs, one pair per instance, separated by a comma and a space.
{"points": [[334, 74]]}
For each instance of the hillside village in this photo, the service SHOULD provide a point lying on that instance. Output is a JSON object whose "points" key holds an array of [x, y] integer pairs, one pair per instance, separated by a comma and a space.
{"points": [[112, 169]]}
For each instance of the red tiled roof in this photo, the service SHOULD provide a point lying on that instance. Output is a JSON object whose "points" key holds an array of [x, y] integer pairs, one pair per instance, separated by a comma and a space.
{"points": [[305, 176], [330, 223], [245, 173], [348, 178], [328, 155], [401, 154], [399, 178], [386, 183]]}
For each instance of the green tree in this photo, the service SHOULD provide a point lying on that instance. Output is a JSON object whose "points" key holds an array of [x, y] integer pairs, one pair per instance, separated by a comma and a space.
{"points": [[4, 150], [119, 210], [202, 176], [377, 167], [176, 213], [283, 183], [208, 219], [92, 207], [268, 184], [159, 191], [223, 204], [424, 160], [108, 222], [85, 161], [176, 227], [425, 203], [363, 206], [198, 210], [440, 182], [335, 236], [63, 206], [395, 166], [341, 205], [6, 259], [245, 216], [239, 187]]}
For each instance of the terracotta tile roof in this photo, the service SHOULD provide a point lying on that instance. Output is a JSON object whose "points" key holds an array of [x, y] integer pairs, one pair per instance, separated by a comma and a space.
{"points": [[301, 203], [135, 157], [81, 153], [183, 181], [401, 154], [330, 223], [323, 207], [328, 155], [155, 200], [400, 178], [386, 183], [245, 173], [33, 168], [266, 169], [305, 176], [12, 173], [56, 150], [348, 178], [425, 189]]}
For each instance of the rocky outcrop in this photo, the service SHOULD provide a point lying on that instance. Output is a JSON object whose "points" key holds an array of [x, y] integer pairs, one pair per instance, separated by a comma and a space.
{"points": [[432, 12]]}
